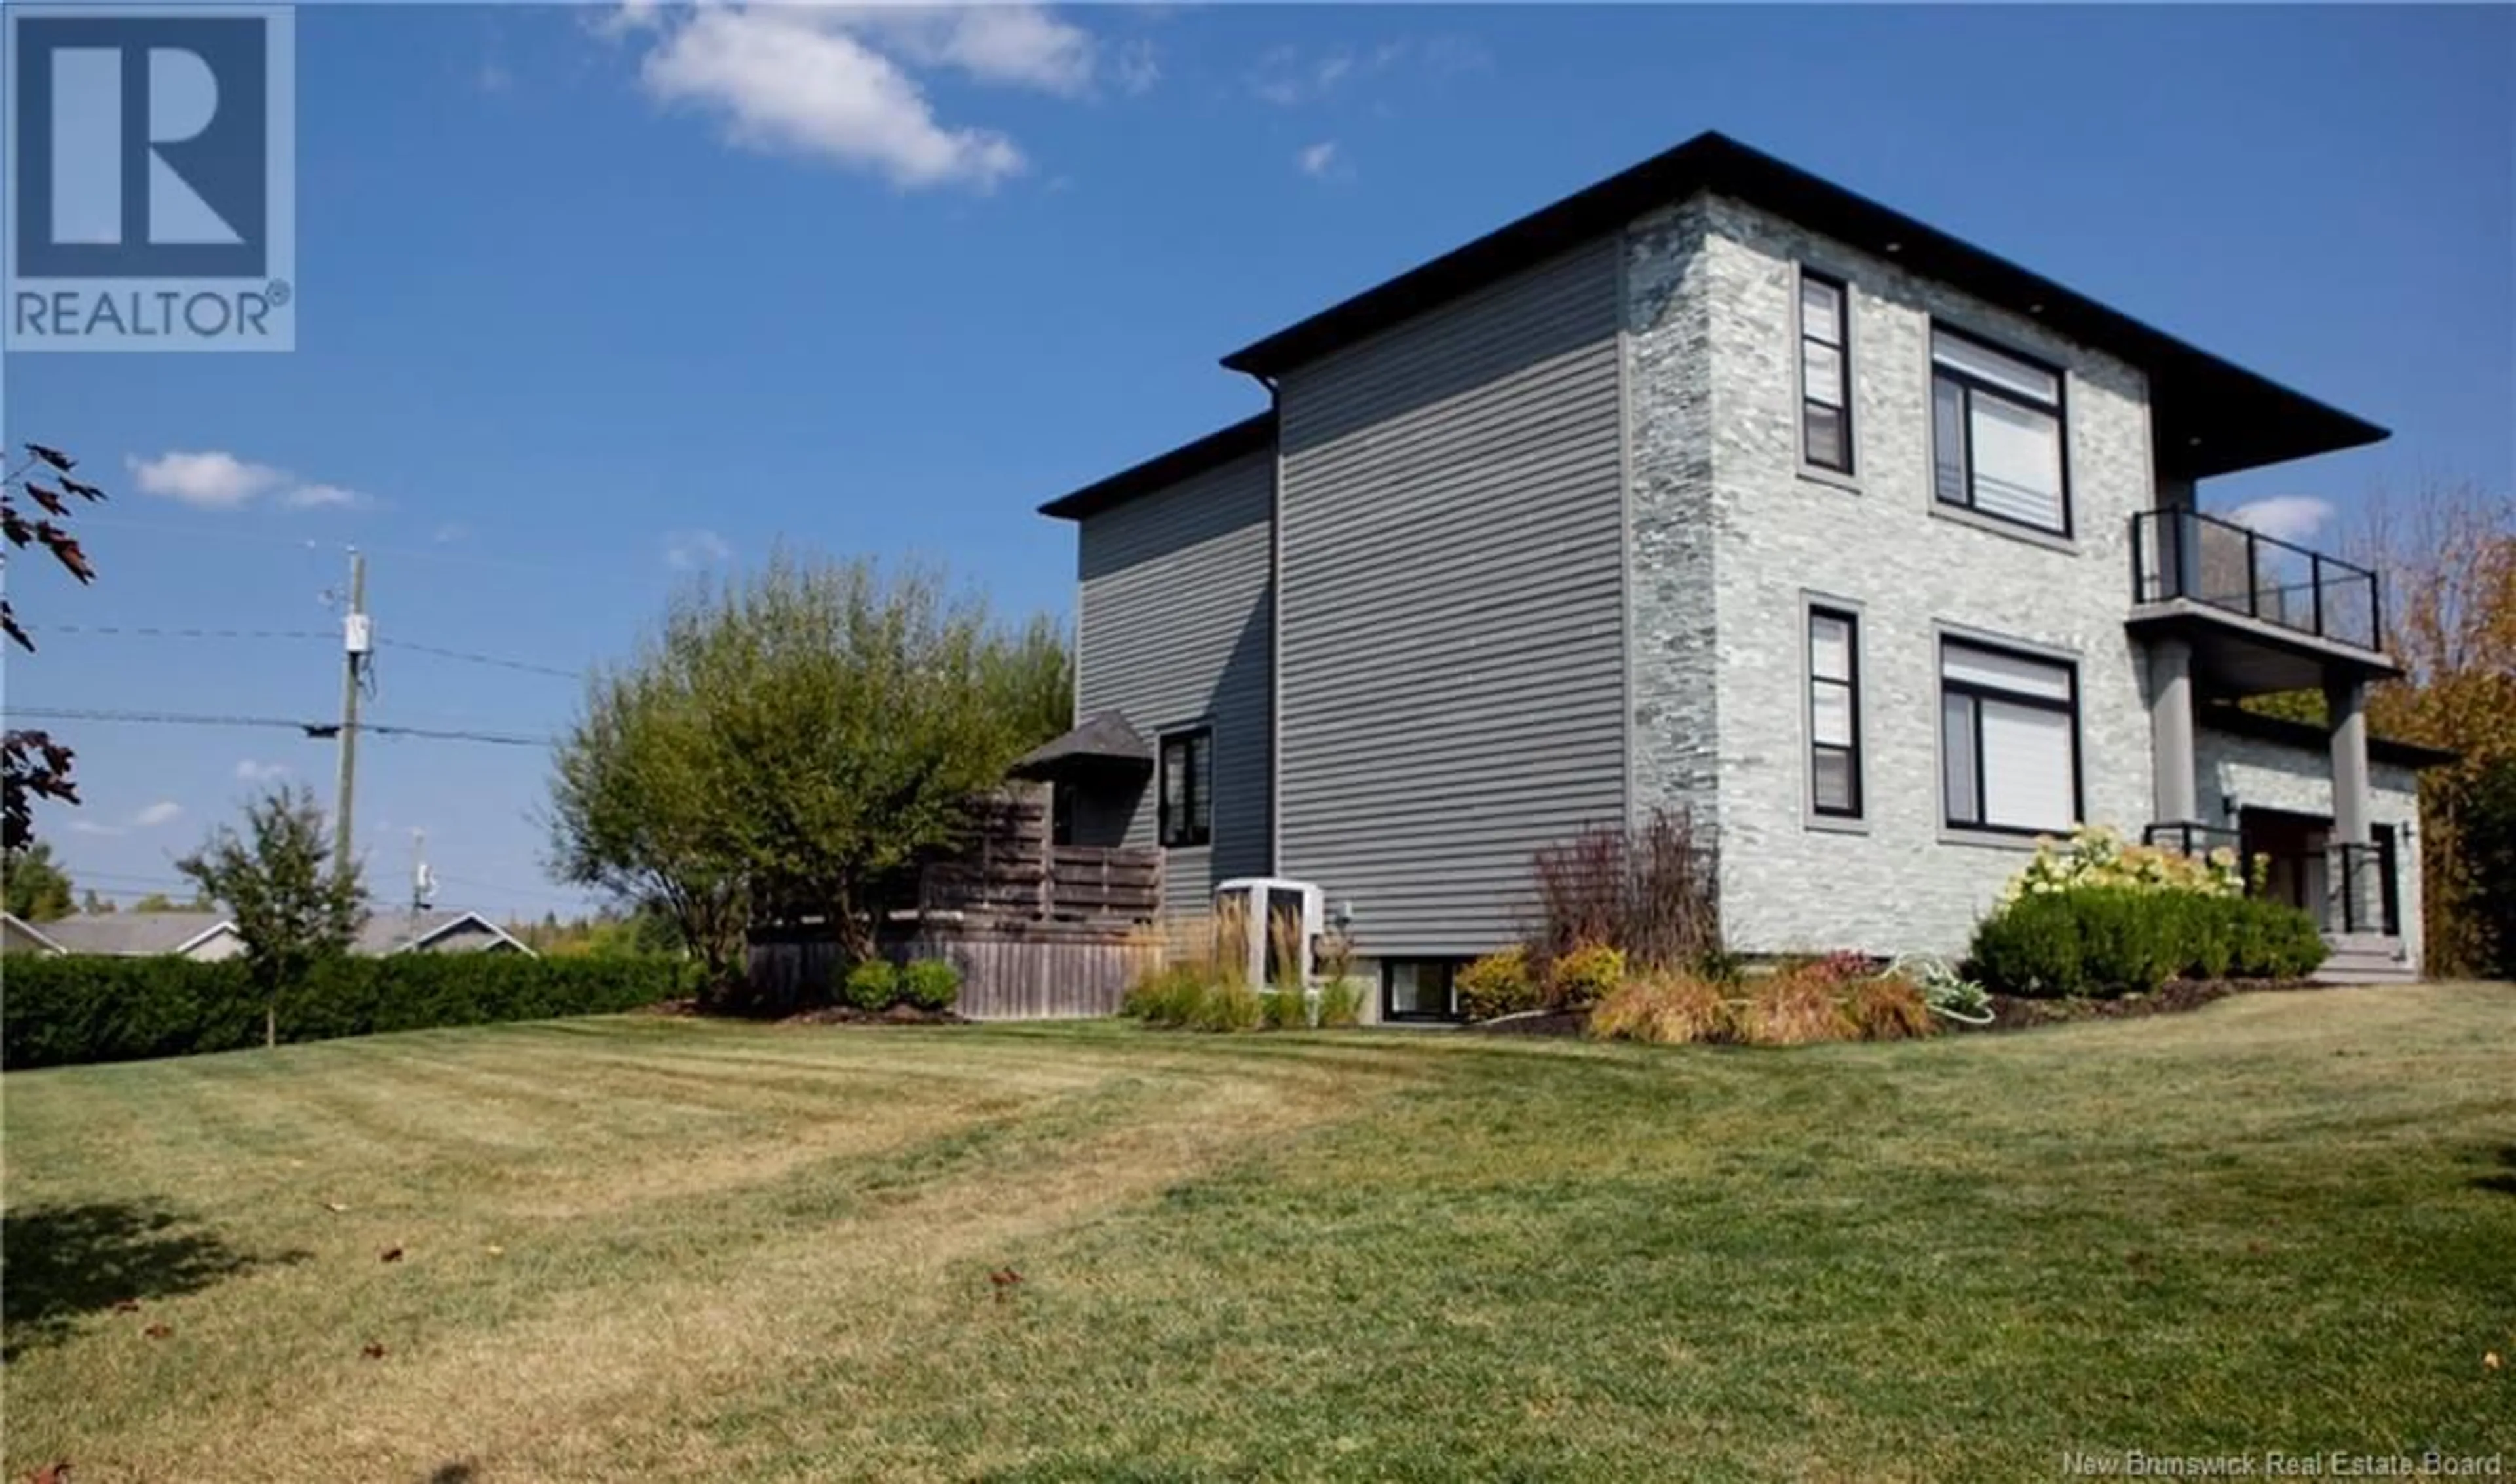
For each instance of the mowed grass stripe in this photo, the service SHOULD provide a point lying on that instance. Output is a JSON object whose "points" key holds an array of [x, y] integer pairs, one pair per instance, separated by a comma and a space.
{"points": [[1368, 1255]]}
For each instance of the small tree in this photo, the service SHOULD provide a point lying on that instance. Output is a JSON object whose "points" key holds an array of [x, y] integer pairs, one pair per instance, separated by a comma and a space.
{"points": [[800, 735], [38, 890], [159, 901], [280, 885], [94, 906]]}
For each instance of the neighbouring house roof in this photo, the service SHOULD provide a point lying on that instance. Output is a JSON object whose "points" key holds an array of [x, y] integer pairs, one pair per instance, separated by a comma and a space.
{"points": [[2209, 416], [1106, 741], [16, 927], [2238, 721], [397, 932], [136, 932], [1250, 435]]}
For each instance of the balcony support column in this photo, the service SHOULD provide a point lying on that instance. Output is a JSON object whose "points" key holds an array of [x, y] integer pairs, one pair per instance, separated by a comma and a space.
{"points": [[2346, 704], [2173, 780]]}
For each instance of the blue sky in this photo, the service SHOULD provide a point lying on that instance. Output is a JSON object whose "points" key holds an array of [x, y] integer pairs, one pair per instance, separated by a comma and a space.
{"points": [[591, 298]]}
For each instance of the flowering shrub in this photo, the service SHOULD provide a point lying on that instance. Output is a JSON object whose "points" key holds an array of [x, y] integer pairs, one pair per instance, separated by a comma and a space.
{"points": [[2096, 857]]}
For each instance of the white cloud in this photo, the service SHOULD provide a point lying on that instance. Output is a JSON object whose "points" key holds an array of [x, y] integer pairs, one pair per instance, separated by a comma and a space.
{"points": [[686, 550], [451, 531], [215, 480], [1288, 78], [2287, 517], [1014, 45], [210, 480], [317, 496], [1136, 67], [810, 80], [1320, 160], [163, 812], [250, 771], [91, 827]]}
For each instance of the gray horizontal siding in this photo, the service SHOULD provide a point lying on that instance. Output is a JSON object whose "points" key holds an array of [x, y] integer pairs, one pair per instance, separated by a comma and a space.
{"points": [[1175, 631], [1452, 605]]}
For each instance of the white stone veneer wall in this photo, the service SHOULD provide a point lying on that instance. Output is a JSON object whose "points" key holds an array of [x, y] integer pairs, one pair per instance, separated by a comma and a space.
{"points": [[1720, 505]]}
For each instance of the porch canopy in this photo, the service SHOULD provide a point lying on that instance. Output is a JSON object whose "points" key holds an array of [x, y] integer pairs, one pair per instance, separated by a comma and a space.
{"points": [[1106, 747]]}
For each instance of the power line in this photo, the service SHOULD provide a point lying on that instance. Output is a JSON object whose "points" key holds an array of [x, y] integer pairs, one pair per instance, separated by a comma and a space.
{"points": [[505, 664], [152, 631], [319, 729]]}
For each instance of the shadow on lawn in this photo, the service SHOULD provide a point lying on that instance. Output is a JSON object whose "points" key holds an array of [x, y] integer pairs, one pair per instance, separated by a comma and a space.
{"points": [[60, 1263], [2504, 1183]]}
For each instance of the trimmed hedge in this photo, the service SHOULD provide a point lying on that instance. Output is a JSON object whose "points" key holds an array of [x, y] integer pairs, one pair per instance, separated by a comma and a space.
{"points": [[2108, 941], [63, 1011]]}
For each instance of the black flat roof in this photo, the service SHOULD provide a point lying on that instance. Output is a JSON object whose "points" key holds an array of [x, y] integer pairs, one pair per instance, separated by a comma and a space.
{"points": [[2208, 416], [1247, 435]]}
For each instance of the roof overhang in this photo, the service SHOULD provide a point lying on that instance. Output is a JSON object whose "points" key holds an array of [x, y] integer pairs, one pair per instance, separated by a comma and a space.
{"points": [[1249, 436], [2239, 722], [2208, 415]]}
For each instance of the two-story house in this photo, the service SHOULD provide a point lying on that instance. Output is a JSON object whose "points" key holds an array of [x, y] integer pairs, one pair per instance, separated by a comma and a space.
{"points": [[1716, 485]]}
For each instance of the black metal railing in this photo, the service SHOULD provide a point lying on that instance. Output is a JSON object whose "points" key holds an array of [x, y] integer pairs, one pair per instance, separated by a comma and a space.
{"points": [[2359, 895], [2186, 554], [2345, 888], [2192, 839]]}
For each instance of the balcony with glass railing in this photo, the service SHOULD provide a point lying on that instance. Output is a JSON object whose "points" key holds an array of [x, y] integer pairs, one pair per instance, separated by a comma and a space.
{"points": [[2220, 564]]}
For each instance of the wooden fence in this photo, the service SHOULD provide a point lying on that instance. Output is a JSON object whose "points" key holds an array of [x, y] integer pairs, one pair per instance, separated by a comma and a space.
{"points": [[1009, 970], [1038, 930]]}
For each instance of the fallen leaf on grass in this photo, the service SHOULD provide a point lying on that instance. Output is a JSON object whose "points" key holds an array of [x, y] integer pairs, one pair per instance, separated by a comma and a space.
{"points": [[390, 1254], [126, 1306], [495, 1250], [159, 1331], [2491, 1361], [334, 1206], [50, 1473], [373, 1351]]}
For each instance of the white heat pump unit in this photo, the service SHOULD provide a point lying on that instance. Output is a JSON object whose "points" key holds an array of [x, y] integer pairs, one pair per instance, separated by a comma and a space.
{"points": [[1263, 902]]}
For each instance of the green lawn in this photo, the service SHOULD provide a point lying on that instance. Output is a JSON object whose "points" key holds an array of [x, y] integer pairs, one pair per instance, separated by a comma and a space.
{"points": [[642, 1248]]}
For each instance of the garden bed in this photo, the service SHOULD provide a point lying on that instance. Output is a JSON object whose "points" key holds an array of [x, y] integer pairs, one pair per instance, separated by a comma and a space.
{"points": [[2018, 1013], [895, 1015], [2010, 1012]]}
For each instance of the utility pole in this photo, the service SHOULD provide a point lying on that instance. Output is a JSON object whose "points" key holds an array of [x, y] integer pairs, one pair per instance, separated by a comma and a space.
{"points": [[357, 640]]}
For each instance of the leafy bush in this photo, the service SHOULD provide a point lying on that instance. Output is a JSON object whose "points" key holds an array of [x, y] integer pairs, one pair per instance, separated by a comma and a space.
{"points": [[930, 984], [1667, 1008], [1499, 984], [2108, 941], [2097, 857], [93, 1008], [1949, 993], [1584, 976], [872, 985]]}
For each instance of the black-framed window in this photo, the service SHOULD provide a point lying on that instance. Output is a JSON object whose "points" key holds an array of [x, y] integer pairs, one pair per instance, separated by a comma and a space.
{"points": [[1826, 372], [1418, 988], [1998, 440], [1834, 712], [2009, 740], [1188, 787]]}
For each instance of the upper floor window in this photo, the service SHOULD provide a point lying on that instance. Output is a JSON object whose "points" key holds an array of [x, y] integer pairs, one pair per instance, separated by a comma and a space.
{"points": [[2009, 740], [1188, 787], [1826, 372], [1997, 434]]}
